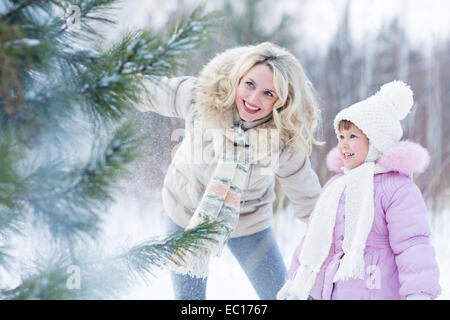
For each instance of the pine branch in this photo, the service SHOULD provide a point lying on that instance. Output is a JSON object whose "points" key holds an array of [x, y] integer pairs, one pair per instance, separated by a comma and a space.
{"points": [[71, 203], [11, 185], [113, 82], [49, 89], [147, 54], [107, 277], [47, 285], [24, 53], [18, 9], [5, 259], [109, 97], [93, 10], [143, 258], [29, 41], [103, 172]]}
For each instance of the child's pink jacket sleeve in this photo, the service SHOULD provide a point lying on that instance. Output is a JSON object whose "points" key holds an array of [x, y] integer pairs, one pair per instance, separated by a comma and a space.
{"points": [[409, 233]]}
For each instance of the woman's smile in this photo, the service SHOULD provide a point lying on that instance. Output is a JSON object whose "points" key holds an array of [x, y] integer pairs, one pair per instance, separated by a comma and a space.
{"points": [[250, 108]]}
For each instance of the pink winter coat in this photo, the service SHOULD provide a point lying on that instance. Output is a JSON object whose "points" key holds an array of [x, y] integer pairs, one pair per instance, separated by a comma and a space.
{"points": [[399, 259]]}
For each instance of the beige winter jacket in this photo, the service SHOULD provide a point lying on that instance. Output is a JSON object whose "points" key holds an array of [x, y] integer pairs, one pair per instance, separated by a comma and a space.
{"points": [[193, 163]]}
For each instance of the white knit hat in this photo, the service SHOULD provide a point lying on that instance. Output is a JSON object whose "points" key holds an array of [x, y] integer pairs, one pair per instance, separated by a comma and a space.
{"points": [[379, 116]]}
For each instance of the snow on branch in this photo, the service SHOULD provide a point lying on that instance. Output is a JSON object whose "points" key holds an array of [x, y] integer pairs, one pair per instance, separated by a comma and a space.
{"points": [[149, 54], [72, 202]]}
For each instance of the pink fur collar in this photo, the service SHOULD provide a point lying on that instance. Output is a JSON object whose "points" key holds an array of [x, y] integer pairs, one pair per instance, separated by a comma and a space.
{"points": [[405, 157]]}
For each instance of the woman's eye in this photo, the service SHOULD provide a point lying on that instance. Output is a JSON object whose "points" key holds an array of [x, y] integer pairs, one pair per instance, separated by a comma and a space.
{"points": [[250, 84], [268, 93]]}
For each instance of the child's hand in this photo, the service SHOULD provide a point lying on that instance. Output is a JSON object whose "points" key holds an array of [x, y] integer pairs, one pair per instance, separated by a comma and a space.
{"points": [[286, 293]]}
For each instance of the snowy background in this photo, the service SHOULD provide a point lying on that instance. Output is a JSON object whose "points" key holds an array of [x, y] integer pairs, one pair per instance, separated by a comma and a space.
{"points": [[134, 218]]}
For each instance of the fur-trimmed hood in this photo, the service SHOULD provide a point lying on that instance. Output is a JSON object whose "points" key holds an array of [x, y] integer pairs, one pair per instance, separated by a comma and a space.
{"points": [[405, 157], [209, 90]]}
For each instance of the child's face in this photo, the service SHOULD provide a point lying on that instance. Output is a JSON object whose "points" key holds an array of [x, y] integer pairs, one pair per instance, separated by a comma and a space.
{"points": [[353, 147], [255, 94]]}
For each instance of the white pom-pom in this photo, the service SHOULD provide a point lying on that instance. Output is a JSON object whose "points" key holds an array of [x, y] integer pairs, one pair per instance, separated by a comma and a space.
{"points": [[401, 97]]}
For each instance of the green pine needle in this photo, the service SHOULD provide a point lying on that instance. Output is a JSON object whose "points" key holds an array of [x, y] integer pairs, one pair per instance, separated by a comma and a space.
{"points": [[72, 203], [142, 258]]}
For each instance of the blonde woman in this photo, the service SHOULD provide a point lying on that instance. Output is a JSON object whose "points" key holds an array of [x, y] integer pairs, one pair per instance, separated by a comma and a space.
{"points": [[250, 118]]}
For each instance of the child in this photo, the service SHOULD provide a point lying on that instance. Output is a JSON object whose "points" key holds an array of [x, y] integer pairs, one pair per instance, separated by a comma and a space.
{"points": [[368, 236]]}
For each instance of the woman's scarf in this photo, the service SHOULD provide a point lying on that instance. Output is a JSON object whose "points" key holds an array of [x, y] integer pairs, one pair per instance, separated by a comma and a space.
{"points": [[221, 200]]}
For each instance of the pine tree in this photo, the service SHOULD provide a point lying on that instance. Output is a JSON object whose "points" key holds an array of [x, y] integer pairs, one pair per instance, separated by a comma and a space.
{"points": [[66, 141]]}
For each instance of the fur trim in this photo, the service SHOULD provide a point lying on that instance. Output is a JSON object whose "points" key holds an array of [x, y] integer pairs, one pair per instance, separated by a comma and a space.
{"points": [[334, 162], [209, 89], [405, 157]]}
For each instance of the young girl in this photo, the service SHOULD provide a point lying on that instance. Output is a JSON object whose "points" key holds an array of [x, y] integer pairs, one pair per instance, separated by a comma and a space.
{"points": [[250, 118], [368, 236]]}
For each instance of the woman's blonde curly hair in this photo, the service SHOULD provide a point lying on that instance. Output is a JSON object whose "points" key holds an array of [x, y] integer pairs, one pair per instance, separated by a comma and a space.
{"points": [[296, 113]]}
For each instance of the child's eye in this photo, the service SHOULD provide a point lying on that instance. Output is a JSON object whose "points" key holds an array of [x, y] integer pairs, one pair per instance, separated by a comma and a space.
{"points": [[353, 136], [341, 137]]}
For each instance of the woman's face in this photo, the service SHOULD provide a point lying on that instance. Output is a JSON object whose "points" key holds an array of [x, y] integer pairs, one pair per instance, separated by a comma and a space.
{"points": [[255, 94]]}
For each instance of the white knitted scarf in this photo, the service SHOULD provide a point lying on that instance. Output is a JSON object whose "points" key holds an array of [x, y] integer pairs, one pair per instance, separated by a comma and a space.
{"points": [[359, 214]]}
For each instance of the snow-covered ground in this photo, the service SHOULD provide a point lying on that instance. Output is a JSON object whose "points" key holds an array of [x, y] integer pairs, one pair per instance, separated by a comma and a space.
{"points": [[131, 221], [440, 240]]}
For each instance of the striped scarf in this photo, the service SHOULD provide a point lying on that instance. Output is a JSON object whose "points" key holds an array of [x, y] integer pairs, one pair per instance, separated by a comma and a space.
{"points": [[221, 200]]}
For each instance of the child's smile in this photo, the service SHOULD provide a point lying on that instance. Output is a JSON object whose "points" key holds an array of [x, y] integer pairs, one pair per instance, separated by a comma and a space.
{"points": [[353, 147], [348, 155]]}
